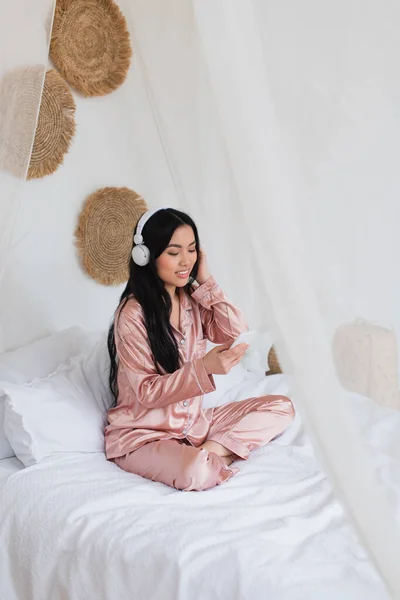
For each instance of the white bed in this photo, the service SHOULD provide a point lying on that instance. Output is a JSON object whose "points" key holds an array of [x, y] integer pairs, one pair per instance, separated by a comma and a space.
{"points": [[77, 527], [8, 466]]}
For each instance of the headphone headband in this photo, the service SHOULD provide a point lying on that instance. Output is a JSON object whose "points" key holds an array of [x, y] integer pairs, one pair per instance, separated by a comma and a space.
{"points": [[138, 238]]}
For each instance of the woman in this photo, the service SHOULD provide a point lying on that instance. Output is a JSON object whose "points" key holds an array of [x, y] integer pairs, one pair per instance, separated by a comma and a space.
{"points": [[160, 370]]}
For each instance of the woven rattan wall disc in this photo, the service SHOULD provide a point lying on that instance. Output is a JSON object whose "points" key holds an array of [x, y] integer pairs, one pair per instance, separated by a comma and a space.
{"points": [[90, 45], [23, 126], [104, 234], [273, 363], [20, 92], [55, 127]]}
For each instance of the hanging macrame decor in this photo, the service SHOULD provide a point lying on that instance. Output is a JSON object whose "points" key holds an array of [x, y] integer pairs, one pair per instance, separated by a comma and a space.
{"points": [[104, 234], [90, 45], [55, 128]]}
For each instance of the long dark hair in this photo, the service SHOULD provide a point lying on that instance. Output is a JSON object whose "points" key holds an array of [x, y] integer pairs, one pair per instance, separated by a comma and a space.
{"points": [[145, 285]]}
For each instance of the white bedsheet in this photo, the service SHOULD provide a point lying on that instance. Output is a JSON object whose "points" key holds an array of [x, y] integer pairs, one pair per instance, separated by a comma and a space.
{"points": [[79, 528], [9, 466]]}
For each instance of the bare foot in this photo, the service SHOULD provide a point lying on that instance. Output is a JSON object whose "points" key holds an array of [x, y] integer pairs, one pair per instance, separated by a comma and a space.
{"points": [[227, 460], [217, 448]]}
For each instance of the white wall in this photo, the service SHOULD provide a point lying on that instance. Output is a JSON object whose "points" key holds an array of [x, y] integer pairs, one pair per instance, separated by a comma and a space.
{"points": [[337, 104], [332, 69], [44, 289], [118, 143], [332, 73]]}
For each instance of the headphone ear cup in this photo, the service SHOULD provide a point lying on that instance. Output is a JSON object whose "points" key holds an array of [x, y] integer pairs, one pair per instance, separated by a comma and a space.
{"points": [[141, 255]]}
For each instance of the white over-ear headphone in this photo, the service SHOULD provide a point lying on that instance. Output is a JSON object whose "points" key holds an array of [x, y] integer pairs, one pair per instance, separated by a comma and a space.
{"points": [[140, 252]]}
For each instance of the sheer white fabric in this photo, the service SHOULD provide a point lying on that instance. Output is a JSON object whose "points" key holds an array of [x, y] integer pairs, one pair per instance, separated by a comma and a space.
{"points": [[280, 126], [264, 171], [25, 28], [281, 130]]}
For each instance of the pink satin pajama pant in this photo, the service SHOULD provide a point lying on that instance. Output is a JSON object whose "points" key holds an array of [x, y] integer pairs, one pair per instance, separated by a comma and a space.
{"points": [[239, 426]]}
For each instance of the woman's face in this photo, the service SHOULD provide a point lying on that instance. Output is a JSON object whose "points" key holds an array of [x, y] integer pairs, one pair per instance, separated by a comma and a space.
{"points": [[175, 264]]}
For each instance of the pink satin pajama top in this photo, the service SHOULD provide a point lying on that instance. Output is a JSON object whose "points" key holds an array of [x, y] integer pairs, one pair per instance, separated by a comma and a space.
{"points": [[152, 406]]}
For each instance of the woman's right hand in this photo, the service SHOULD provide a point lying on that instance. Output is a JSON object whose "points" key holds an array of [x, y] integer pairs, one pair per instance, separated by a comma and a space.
{"points": [[220, 360]]}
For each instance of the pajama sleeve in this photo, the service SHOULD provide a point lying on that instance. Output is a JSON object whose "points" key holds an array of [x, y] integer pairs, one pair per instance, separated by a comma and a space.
{"points": [[222, 321], [152, 389]]}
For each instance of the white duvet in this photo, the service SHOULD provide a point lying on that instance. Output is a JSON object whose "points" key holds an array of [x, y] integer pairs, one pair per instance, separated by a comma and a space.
{"points": [[77, 527]]}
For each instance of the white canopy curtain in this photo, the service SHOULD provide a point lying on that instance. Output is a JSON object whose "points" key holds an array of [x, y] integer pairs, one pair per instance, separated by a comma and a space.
{"points": [[280, 125], [170, 63], [231, 38], [25, 28]]}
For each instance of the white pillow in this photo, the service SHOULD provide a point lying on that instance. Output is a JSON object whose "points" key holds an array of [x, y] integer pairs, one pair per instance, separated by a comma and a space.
{"points": [[36, 360], [5, 449], [42, 357], [65, 412]]}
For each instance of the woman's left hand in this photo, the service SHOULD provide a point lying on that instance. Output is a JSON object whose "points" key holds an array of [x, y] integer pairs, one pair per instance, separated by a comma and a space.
{"points": [[203, 273]]}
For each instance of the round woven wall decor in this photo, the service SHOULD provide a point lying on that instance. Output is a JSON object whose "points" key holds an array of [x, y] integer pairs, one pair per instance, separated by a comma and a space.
{"points": [[104, 235], [50, 134], [90, 45], [20, 92], [55, 128], [273, 363]]}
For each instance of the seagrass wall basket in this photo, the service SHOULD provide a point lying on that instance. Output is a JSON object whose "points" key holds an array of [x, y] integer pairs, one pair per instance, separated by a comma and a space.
{"points": [[273, 363], [51, 132], [55, 127], [90, 45], [104, 234]]}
